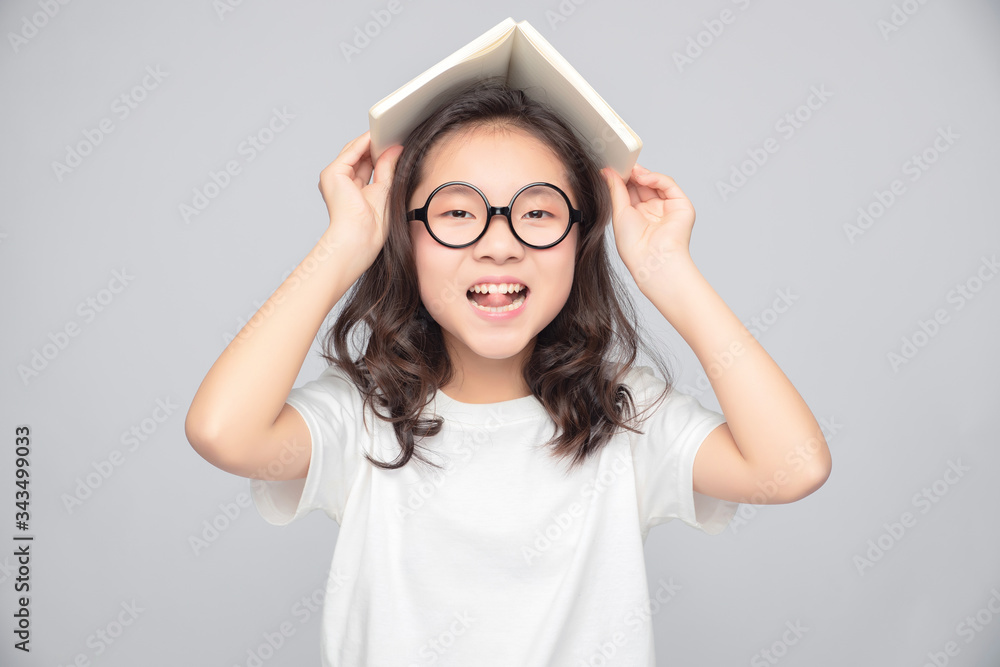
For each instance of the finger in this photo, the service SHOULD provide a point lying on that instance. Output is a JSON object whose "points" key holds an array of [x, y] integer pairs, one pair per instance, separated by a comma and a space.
{"points": [[666, 187], [353, 142], [641, 185], [645, 186], [633, 193], [354, 161], [619, 193], [643, 192], [348, 144], [355, 150], [386, 165], [363, 171], [346, 164]]}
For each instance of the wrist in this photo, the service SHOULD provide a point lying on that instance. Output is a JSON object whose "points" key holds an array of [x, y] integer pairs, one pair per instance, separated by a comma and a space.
{"points": [[661, 272], [335, 249]]}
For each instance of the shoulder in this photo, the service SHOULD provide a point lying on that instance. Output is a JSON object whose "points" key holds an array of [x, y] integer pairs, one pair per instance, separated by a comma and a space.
{"points": [[652, 396], [335, 381], [331, 390], [644, 384], [642, 378]]}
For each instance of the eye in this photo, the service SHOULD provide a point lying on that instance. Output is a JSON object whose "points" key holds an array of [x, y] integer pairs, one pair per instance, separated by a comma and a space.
{"points": [[459, 211], [531, 214]]}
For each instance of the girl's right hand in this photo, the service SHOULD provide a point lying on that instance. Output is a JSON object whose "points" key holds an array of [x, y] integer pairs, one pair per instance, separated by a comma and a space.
{"points": [[357, 207]]}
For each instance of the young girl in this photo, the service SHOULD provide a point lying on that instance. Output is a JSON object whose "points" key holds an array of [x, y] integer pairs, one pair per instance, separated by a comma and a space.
{"points": [[492, 454]]}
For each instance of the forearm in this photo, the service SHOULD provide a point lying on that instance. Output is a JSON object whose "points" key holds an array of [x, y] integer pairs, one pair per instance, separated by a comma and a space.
{"points": [[246, 388], [770, 422]]}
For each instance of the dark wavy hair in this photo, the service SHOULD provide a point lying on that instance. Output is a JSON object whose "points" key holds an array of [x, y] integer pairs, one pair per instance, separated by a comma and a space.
{"points": [[579, 361]]}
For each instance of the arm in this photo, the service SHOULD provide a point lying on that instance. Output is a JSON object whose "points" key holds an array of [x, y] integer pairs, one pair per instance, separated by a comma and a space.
{"points": [[771, 450], [238, 419]]}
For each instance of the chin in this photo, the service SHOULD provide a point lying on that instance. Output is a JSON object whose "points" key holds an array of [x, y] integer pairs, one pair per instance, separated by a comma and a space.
{"points": [[502, 346], [497, 352]]}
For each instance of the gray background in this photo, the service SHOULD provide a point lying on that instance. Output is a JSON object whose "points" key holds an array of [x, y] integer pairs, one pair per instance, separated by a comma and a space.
{"points": [[892, 431]]}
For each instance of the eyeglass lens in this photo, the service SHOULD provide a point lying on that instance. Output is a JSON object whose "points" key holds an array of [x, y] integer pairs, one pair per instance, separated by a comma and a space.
{"points": [[457, 214]]}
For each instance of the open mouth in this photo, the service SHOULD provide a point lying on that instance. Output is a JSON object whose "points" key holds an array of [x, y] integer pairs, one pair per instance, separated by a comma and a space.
{"points": [[496, 302]]}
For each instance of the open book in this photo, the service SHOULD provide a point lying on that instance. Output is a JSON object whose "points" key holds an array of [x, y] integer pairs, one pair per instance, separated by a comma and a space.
{"points": [[529, 62]]}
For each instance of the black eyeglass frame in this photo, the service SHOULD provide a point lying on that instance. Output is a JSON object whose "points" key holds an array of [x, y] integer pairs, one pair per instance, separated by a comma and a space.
{"points": [[575, 215]]}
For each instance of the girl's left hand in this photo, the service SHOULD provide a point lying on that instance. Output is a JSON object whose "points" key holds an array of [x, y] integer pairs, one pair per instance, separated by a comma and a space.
{"points": [[652, 219]]}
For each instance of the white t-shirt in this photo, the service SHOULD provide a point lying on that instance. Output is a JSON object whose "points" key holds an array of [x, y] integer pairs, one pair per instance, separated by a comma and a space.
{"points": [[500, 557]]}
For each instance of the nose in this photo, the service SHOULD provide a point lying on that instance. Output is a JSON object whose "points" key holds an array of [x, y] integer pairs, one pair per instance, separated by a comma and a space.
{"points": [[499, 242]]}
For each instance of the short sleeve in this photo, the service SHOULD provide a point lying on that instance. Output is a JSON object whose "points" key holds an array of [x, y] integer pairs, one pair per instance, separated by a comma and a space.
{"points": [[330, 406], [664, 454]]}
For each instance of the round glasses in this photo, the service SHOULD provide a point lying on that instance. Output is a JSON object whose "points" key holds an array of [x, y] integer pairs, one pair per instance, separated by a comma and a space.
{"points": [[457, 214]]}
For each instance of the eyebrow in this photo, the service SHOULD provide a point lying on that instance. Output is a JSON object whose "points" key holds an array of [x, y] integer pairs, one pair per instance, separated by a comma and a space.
{"points": [[568, 189]]}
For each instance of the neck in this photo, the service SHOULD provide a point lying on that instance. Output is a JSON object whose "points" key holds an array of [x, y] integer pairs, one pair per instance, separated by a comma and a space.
{"points": [[481, 380]]}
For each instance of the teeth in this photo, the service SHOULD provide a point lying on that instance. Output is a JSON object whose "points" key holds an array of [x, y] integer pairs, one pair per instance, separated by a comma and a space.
{"points": [[518, 300], [494, 288]]}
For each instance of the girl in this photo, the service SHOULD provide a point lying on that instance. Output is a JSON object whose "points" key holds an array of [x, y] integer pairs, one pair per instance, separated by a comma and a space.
{"points": [[493, 457]]}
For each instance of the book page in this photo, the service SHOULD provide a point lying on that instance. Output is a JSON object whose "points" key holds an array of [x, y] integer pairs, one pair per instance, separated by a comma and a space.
{"points": [[394, 117], [544, 74], [529, 62]]}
